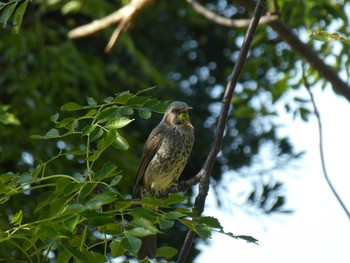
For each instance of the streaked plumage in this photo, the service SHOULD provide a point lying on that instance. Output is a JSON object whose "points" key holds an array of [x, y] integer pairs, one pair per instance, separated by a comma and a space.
{"points": [[164, 157]]}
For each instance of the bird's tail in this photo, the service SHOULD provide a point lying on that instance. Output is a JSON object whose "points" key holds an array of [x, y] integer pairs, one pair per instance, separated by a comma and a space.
{"points": [[148, 247]]}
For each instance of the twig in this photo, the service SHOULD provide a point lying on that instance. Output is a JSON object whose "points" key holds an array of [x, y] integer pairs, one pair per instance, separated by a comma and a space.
{"points": [[323, 163], [224, 21], [226, 102]]}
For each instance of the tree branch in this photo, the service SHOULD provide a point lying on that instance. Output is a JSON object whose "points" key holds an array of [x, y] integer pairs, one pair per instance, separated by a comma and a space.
{"points": [[205, 172], [320, 133], [224, 21], [124, 15], [339, 86]]}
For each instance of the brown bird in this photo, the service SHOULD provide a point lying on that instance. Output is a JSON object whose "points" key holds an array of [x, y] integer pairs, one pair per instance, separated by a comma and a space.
{"points": [[164, 157]]}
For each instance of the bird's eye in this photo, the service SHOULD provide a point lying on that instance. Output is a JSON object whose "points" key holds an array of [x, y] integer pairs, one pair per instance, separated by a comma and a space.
{"points": [[173, 110]]}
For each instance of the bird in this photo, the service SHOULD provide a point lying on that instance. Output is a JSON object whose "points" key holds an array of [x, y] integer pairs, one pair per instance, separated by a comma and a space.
{"points": [[163, 159]]}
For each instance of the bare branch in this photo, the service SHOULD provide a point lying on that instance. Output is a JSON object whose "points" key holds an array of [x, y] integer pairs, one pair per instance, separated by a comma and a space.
{"points": [[224, 21], [320, 133], [124, 15], [205, 172]]}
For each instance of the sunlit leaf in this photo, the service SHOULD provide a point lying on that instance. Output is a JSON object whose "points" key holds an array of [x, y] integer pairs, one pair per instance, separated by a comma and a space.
{"points": [[118, 123], [120, 143], [17, 219]]}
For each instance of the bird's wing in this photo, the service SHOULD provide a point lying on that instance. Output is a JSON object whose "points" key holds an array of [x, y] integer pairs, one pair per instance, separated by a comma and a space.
{"points": [[151, 146]]}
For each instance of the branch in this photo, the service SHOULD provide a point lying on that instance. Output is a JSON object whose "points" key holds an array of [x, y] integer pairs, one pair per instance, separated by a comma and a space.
{"points": [[205, 172], [224, 21], [323, 163], [124, 15], [339, 86]]}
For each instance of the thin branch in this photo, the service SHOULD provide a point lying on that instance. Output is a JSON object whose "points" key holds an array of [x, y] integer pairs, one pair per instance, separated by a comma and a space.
{"points": [[226, 102], [323, 163], [224, 21], [124, 15], [306, 52]]}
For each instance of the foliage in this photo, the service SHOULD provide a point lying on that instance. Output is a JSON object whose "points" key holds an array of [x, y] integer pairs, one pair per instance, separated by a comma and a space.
{"points": [[13, 10], [170, 46], [83, 215]]}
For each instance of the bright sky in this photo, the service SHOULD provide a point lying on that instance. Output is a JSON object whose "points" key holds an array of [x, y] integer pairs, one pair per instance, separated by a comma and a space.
{"points": [[319, 230]]}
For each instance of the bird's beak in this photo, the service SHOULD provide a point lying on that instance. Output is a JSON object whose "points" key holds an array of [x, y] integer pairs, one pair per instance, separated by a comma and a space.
{"points": [[183, 116]]}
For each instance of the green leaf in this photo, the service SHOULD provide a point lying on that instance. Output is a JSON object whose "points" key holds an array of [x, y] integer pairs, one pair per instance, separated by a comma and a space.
{"points": [[25, 178], [116, 180], [57, 206], [72, 222], [144, 212], [53, 133], [91, 101], [132, 244], [118, 122], [145, 113], [95, 257], [152, 201], [173, 215], [87, 130], [126, 111], [120, 143], [7, 12], [203, 231], [109, 169], [101, 220], [138, 100], [166, 252], [86, 190], [175, 198], [110, 137], [108, 114], [249, 239], [17, 219], [37, 170], [117, 249], [63, 256], [210, 221], [98, 201], [95, 134], [18, 17], [91, 113], [143, 227], [123, 97], [72, 106], [165, 224], [55, 117], [46, 231], [76, 253]]}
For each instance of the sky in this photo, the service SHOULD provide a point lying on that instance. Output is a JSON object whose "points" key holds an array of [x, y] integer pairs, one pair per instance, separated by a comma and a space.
{"points": [[318, 230]]}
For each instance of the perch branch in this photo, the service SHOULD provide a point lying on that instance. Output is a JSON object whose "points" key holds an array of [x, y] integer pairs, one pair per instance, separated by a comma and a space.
{"points": [[205, 172], [320, 133]]}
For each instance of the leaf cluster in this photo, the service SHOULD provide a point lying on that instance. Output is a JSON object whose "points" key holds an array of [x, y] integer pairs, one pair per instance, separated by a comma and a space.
{"points": [[83, 216]]}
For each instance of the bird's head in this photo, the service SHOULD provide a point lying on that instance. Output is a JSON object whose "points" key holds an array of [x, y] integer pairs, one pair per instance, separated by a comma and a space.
{"points": [[177, 115]]}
